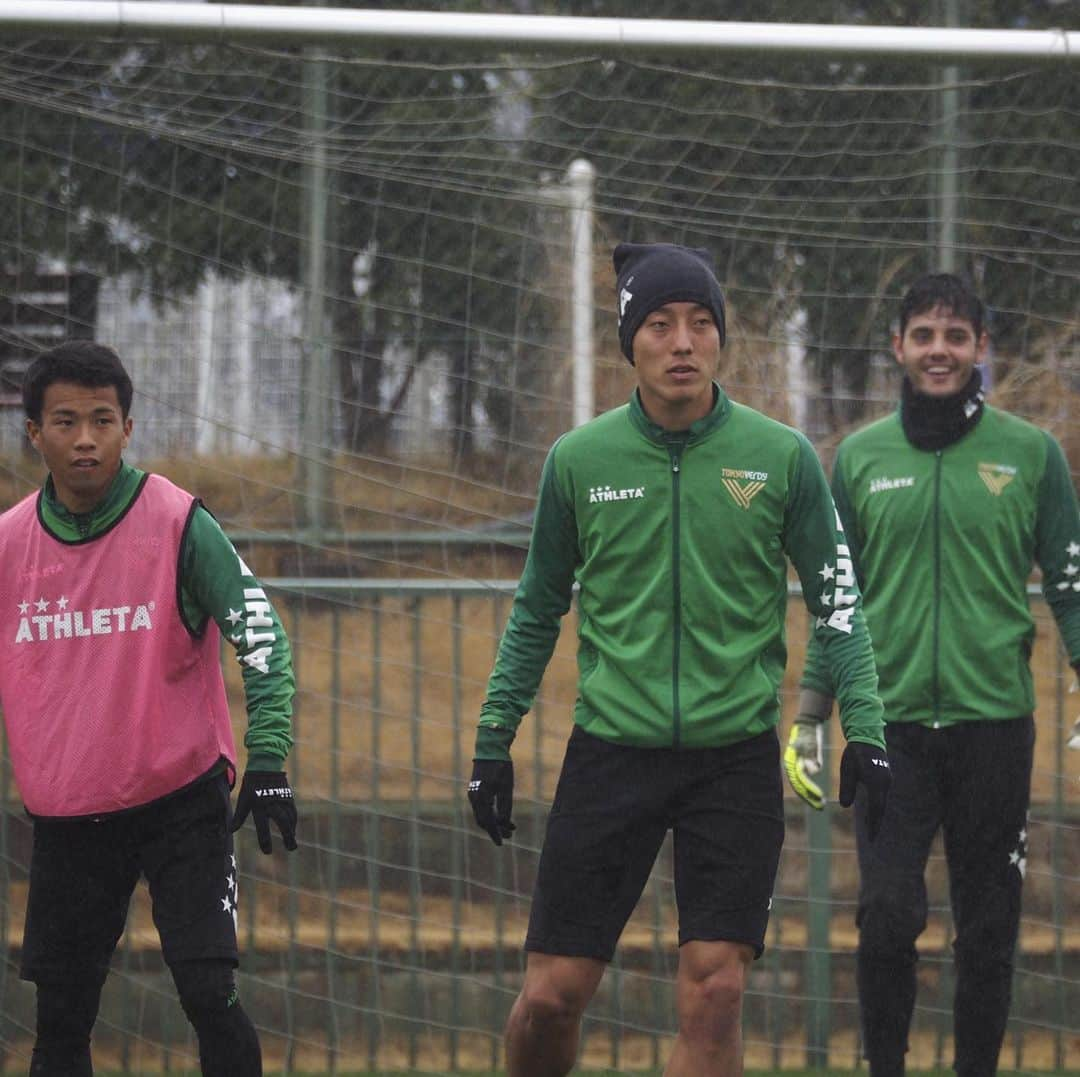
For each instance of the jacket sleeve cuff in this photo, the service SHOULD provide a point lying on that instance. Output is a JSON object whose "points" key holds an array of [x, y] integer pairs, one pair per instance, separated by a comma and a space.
{"points": [[815, 706], [493, 742], [262, 762]]}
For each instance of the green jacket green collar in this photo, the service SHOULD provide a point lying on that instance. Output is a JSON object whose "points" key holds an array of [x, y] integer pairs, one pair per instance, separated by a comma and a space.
{"points": [[69, 526], [696, 432]]}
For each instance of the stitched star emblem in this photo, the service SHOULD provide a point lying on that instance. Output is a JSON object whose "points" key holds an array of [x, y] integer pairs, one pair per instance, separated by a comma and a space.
{"points": [[41, 605], [1073, 549], [826, 599], [235, 616], [1071, 570], [61, 603], [827, 572], [24, 608]]}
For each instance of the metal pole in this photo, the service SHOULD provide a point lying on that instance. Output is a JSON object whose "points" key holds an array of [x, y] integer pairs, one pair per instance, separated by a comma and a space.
{"points": [[306, 25], [315, 346], [580, 178], [948, 193], [818, 945]]}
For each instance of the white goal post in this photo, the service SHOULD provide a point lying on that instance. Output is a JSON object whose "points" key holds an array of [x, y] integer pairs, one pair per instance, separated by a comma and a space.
{"points": [[314, 25]]}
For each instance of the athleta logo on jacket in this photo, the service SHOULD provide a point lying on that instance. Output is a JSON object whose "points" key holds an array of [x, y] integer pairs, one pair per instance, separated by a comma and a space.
{"points": [[996, 477], [38, 625], [877, 485], [843, 596], [606, 493], [743, 486], [258, 631]]}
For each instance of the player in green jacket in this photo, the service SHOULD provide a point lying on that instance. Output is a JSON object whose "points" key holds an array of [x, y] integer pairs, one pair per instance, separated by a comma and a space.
{"points": [[947, 503], [675, 515]]}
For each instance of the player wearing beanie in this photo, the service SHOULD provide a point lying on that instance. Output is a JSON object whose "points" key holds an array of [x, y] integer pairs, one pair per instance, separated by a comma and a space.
{"points": [[675, 514]]}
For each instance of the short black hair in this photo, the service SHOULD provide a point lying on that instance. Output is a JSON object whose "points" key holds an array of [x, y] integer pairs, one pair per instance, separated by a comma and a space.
{"points": [[81, 362], [945, 290]]}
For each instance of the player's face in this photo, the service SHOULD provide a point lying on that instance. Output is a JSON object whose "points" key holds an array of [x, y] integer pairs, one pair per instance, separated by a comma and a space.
{"points": [[81, 436], [676, 353], [938, 351]]}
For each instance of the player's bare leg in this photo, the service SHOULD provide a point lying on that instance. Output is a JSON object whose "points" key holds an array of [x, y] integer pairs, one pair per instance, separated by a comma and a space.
{"points": [[545, 1022], [709, 992]]}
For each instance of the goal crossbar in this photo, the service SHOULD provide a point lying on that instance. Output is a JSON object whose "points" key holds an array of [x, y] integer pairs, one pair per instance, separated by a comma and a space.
{"points": [[314, 25]]}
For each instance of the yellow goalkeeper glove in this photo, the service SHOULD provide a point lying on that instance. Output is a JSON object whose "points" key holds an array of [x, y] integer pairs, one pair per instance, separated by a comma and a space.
{"points": [[803, 760]]}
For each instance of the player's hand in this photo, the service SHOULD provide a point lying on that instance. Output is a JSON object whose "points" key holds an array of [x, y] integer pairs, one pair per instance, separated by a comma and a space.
{"points": [[491, 794], [866, 765], [266, 795], [803, 760]]}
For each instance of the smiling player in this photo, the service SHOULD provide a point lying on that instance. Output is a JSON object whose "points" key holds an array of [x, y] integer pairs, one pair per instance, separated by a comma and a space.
{"points": [[947, 503]]}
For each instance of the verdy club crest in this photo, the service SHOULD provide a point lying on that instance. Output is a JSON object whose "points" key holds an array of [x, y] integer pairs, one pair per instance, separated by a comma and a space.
{"points": [[743, 486], [996, 477]]}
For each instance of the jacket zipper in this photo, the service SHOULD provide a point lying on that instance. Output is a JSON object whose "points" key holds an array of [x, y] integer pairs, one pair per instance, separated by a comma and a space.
{"points": [[676, 580], [935, 679]]}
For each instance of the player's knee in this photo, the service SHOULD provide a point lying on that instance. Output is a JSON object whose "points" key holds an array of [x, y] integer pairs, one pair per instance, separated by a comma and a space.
{"points": [[710, 1005], [545, 1003], [888, 929], [228, 1042], [207, 989]]}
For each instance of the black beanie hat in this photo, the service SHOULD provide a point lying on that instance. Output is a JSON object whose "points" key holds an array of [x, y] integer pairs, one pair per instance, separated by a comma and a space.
{"points": [[648, 275]]}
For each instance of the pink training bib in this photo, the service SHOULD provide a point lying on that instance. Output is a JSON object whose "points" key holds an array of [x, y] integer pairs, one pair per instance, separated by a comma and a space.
{"points": [[108, 699]]}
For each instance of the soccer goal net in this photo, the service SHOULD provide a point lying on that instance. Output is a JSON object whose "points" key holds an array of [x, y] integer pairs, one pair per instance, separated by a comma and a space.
{"points": [[361, 286]]}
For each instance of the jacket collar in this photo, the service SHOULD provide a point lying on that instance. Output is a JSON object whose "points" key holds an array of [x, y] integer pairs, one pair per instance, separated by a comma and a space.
{"points": [[71, 527], [697, 431]]}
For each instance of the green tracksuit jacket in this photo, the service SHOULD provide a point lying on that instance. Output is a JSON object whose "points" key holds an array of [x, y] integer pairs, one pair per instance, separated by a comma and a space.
{"points": [[678, 543], [210, 584], [943, 544]]}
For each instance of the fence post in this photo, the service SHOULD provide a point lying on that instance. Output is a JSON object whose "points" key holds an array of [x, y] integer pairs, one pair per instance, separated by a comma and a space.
{"points": [[818, 952]]}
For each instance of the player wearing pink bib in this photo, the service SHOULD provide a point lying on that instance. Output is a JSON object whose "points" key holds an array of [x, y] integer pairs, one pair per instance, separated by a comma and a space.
{"points": [[115, 587]]}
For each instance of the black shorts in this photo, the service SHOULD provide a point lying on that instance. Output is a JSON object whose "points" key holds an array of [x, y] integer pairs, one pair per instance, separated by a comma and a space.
{"points": [[612, 808], [83, 873]]}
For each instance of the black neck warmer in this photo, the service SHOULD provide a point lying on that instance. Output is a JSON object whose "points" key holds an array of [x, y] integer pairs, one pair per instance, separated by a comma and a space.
{"points": [[934, 422]]}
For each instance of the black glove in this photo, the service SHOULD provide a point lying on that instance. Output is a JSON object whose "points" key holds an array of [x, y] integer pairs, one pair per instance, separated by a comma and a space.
{"points": [[266, 794], [868, 765], [491, 794]]}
